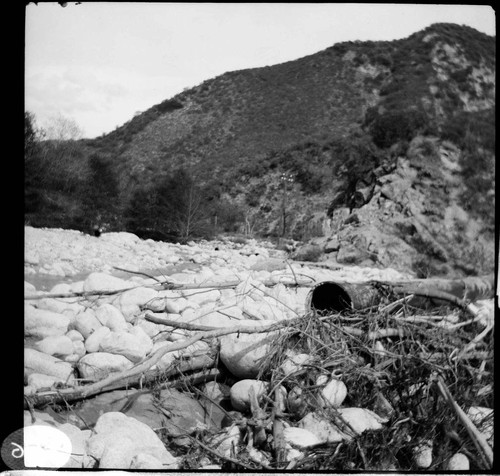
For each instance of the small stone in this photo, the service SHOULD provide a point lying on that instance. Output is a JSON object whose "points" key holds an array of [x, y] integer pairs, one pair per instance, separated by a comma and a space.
{"points": [[334, 393], [326, 431], [300, 437], [458, 462], [422, 454], [361, 419], [240, 393], [294, 363]]}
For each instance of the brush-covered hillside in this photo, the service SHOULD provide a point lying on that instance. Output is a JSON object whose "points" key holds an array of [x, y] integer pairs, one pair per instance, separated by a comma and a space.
{"points": [[380, 153]]}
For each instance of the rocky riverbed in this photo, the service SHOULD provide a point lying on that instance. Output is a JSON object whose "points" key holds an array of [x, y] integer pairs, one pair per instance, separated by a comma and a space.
{"points": [[100, 306]]}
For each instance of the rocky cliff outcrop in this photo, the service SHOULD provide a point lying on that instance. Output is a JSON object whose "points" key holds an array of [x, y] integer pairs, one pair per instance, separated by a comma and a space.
{"points": [[410, 217]]}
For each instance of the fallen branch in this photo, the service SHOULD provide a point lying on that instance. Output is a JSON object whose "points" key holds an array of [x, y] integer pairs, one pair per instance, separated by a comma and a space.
{"points": [[279, 442], [223, 457], [471, 345], [165, 286], [136, 372], [477, 437], [140, 273], [471, 288], [81, 294], [119, 380], [432, 294]]}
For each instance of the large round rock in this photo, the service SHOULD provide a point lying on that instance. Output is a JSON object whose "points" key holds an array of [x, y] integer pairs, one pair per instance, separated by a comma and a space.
{"points": [[244, 354]]}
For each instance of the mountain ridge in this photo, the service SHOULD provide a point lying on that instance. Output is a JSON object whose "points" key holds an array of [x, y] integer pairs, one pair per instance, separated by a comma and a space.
{"points": [[329, 119]]}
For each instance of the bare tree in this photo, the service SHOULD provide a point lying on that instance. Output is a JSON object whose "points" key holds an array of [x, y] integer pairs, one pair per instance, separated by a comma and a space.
{"points": [[182, 207], [61, 128], [62, 152]]}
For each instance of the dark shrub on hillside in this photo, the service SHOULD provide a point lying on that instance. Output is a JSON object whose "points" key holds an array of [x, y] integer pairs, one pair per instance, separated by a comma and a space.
{"points": [[356, 158], [480, 125], [100, 194], [169, 105], [391, 127]]}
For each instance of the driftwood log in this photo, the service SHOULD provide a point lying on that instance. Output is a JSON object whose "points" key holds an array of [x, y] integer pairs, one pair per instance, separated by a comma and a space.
{"points": [[460, 290], [338, 296], [198, 369], [466, 289]]}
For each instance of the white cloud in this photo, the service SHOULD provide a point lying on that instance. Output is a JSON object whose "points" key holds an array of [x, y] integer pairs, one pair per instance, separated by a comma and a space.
{"points": [[100, 62]]}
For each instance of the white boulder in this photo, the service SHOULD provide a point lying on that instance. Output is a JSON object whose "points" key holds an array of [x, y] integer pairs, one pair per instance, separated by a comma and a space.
{"points": [[110, 316], [61, 288], [40, 323], [86, 323], [167, 359], [39, 381], [269, 264], [118, 440], [243, 354], [62, 306], [130, 302], [99, 365], [59, 346], [201, 296], [145, 461], [156, 304], [38, 362], [74, 335], [29, 289], [143, 337], [79, 348], [176, 306], [133, 346], [104, 282], [150, 328], [93, 341], [79, 458]]}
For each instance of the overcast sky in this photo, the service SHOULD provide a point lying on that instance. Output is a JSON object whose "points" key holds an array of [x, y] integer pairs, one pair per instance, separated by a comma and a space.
{"points": [[100, 63]]}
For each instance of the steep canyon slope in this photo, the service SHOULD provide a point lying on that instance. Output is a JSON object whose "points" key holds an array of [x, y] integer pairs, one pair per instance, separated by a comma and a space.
{"points": [[378, 152]]}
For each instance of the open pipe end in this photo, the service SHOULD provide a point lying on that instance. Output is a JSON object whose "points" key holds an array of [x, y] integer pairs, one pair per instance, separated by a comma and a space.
{"points": [[329, 297]]}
